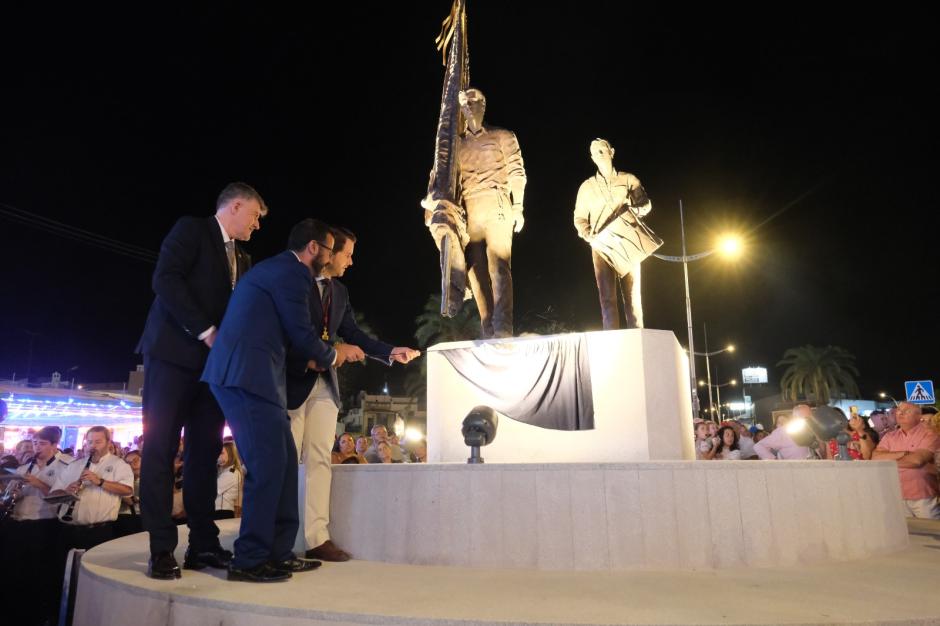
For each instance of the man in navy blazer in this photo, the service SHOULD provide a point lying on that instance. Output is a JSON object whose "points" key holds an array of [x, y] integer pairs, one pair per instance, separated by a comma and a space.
{"points": [[313, 399], [199, 263], [246, 370]]}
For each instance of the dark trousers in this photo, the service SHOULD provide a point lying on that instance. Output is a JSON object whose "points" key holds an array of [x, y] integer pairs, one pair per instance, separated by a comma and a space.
{"points": [[82, 537], [607, 283], [173, 399], [127, 524], [270, 518], [30, 584]]}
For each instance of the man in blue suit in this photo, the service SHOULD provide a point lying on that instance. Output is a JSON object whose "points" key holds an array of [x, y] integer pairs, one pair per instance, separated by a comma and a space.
{"points": [[313, 399], [246, 371]]}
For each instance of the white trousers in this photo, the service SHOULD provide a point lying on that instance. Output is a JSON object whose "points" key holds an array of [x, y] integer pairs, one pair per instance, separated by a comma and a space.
{"points": [[313, 425], [928, 508]]}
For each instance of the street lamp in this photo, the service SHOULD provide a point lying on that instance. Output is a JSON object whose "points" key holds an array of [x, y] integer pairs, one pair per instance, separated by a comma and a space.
{"points": [[883, 395], [708, 365], [730, 246], [730, 383]]}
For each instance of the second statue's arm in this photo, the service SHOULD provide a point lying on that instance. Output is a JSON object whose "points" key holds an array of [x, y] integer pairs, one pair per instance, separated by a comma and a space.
{"points": [[582, 214], [637, 199]]}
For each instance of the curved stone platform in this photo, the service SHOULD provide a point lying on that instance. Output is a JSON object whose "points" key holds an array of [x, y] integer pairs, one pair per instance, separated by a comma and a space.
{"points": [[898, 588], [619, 516]]}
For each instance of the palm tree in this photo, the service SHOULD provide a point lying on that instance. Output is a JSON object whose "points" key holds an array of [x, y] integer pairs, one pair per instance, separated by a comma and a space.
{"points": [[433, 328], [545, 322], [820, 373]]}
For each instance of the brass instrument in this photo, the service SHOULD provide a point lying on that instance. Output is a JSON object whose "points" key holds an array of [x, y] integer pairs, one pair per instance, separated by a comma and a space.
{"points": [[13, 492]]}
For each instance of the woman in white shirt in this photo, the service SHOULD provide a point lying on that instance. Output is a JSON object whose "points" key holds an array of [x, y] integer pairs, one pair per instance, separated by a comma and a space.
{"points": [[727, 448], [229, 486]]}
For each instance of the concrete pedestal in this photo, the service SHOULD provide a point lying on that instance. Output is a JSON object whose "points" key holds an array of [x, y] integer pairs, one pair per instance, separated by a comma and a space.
{"points": [[642, 409], [618, 516]]}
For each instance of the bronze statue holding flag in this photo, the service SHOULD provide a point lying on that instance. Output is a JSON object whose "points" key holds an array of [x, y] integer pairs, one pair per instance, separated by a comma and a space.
{"points": [[474, 201]]}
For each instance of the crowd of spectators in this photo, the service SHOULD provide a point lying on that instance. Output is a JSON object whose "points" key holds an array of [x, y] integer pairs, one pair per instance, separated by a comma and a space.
{"points": [[105, 475], [908, 434]]}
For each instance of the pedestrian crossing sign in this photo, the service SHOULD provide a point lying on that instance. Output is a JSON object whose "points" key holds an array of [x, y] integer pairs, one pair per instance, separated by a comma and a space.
{"points": [[920, 391]]}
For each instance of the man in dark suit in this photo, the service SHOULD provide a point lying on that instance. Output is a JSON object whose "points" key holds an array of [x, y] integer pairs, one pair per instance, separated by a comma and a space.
{"points": [[199, 263], [246, 371], [313, 399]]}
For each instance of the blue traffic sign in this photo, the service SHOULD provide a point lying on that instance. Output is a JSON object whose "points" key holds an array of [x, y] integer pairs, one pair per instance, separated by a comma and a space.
{"points": [[920, 391]]}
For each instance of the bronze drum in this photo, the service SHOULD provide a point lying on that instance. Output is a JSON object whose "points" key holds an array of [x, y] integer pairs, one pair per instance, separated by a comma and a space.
{"points": [[625, 241]]}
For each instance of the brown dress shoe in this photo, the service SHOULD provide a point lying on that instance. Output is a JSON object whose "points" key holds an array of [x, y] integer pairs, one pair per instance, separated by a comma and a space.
{"points": [[327, 551]]}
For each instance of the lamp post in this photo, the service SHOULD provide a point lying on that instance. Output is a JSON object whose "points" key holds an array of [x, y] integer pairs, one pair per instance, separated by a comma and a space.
{"points": [[708, 367], [883, 395], [730, 247], [730, 383]]}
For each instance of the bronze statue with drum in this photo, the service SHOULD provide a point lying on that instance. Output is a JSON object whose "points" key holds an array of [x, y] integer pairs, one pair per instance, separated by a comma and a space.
{"points": [[608, 215]]}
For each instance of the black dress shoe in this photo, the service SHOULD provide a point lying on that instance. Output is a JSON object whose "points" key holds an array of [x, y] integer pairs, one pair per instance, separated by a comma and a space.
{"points": [[295, 564], [218, 558], [263, 573], [163, 566]]}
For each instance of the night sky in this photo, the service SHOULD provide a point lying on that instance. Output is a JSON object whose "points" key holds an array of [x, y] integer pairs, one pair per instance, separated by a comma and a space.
{"points": [[813, 135]]}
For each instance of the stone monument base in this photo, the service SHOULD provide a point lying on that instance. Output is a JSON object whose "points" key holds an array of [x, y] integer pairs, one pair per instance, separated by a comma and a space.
{"points": [[642, 408]]}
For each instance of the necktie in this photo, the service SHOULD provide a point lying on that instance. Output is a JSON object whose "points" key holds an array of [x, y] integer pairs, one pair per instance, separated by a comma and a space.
{"points": [[232, 263], [326, 296]]}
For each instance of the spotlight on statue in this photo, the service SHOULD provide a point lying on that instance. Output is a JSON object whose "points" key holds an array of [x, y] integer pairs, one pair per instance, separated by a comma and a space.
{"points": [[823, 424], [479, 429]]}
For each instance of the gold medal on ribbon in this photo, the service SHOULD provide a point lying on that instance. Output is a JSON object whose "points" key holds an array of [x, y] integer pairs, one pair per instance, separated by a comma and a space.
{"points": [[326, 334]]}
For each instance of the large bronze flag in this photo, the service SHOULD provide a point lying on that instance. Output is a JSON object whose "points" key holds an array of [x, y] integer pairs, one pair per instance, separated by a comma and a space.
{"points": [[443, 214]]}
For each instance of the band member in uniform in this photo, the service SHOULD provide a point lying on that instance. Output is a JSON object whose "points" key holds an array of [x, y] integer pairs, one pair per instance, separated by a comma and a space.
{"points": [[99, 480], [28, 538]]}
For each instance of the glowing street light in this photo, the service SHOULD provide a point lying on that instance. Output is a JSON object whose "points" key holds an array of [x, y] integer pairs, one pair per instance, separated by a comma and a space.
{"points": [[883, 395], [717, 388], [730, 383], [708, 365], [730, 247]]}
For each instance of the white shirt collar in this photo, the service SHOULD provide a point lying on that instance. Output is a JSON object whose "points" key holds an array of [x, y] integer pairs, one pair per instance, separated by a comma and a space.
{"points": [[103, 458], [613, 174], [225, 237]]}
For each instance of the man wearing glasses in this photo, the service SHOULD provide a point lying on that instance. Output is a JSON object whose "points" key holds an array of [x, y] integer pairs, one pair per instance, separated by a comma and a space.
{"points": [[313, 398], [246, 372]]}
